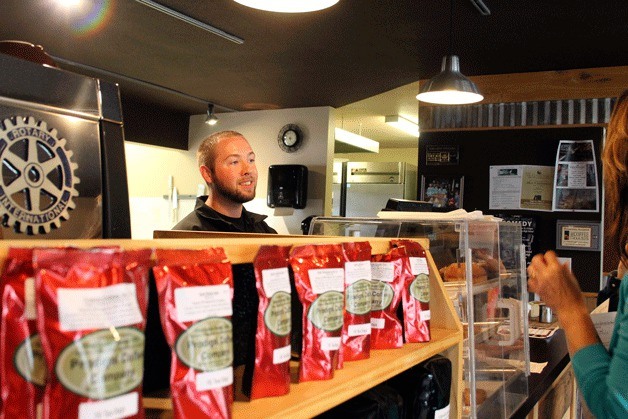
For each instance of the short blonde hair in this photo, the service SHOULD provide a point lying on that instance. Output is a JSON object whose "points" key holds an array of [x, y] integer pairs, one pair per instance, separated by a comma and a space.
{"points": [[207, 150]]}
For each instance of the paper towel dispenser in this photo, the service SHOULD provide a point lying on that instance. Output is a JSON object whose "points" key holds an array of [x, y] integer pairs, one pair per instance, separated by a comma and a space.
{"points": [[287, 186]]}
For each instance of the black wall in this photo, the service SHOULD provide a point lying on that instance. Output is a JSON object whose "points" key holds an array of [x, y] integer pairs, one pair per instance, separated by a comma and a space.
{"points": [[480, 149], [154, 124]]}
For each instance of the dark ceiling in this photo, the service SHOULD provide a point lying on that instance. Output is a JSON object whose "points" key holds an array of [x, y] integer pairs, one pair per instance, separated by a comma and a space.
{"points": [[351, 51]]}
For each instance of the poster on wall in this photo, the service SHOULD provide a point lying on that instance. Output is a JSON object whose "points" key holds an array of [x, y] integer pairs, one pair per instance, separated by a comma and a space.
{"points": [[521, 187], [528, 229], [575, 180], [443, 192], [441, 155], [536, 188]]}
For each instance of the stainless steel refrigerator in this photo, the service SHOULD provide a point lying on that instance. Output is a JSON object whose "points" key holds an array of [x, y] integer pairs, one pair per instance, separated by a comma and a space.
{"points": [[362, 189]]}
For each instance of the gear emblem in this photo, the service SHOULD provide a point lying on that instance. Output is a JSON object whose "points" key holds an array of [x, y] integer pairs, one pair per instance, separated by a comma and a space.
{"points": [[37, 182]]}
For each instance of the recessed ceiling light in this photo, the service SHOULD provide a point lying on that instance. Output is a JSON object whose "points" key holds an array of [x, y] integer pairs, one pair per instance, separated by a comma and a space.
{"points": [[403, 124], [354, 140], [288, 6]]}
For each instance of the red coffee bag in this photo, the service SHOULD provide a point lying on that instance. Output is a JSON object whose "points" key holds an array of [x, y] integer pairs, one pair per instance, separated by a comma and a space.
{"points": [[416, 294], [356, 330], [319, 279], [271, 374], [22, 365], [91, 310], [195, 290], [389, 273]]}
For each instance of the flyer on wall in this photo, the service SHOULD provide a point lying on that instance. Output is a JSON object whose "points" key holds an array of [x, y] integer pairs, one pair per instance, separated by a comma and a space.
{"points": [[575, 179], [536, 188], [521, 187]]}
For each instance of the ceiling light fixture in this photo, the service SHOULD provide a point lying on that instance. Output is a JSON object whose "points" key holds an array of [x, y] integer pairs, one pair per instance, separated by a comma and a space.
{"points": [[350, 142], [211, 119], [69, 3], [288, 6], [403, 124], [450, 86]]}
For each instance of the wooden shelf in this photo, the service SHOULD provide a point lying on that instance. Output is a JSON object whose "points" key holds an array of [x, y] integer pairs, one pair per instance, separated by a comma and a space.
{"points": [[314, 397], [311, 398]]}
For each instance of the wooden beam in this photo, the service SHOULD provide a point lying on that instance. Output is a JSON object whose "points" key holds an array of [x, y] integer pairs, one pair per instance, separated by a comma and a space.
{"points": [[553, 85]]}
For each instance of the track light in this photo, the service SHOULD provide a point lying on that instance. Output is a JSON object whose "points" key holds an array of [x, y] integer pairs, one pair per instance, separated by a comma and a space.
{"points": [[211, 119], [187, 19]]}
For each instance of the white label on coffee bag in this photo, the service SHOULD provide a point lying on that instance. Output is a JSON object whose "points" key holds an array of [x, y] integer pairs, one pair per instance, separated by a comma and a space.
{"points": [[201, 302], [328, 279], [281, 355], [383, 271], [98, 308], [425, 315], [419, 266], [330, 343], [354, 271], [377, 323], [442, 413], [359, 329], [214, 379], [30, 308], [114, 408], [275, 280]]}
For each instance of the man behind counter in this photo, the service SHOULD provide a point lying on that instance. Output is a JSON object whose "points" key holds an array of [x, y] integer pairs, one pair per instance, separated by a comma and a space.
{"points": [[227, 163]]}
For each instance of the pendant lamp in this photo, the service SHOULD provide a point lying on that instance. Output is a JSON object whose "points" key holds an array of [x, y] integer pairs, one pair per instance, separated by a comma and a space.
{"points": [[288, 6], [450, 86]]}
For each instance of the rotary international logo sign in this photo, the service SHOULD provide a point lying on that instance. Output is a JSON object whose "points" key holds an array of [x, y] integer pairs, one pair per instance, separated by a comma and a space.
{"points": [[38, 180]]}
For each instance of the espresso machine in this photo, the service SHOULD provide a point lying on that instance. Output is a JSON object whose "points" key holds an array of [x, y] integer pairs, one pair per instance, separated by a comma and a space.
{"points": [[61, 154]]}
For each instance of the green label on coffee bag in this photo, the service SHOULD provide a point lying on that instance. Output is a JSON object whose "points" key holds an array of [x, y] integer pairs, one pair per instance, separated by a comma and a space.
{"points": [[382, 293], [358, 297], [277, 316], [29, 360], [207, 345], [326, 311], [420, 288], [103, 364]]}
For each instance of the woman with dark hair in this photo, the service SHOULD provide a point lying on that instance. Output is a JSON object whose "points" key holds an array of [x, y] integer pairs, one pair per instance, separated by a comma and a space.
{"points": [[602, 375]]}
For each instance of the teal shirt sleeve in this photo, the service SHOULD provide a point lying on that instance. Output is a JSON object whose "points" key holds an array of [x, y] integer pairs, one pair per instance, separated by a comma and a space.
{"points": [[603, 375]]}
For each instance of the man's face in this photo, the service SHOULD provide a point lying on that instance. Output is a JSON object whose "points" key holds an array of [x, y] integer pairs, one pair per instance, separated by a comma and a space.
{"points": [[234, 174]]}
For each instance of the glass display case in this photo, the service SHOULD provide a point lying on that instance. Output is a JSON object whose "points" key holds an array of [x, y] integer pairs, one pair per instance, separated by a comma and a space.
{"points": [[482, 264]]}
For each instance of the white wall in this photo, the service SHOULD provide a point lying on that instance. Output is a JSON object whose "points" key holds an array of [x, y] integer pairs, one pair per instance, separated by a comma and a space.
{"points": [[148, 171], [149, 168]]}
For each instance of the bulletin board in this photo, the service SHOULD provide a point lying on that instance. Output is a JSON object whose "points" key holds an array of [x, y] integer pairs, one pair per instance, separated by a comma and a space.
{"points": [[480, 149]]}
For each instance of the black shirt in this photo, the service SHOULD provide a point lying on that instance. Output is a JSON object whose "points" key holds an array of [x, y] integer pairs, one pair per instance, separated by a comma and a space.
{"points": [[204, 218]]}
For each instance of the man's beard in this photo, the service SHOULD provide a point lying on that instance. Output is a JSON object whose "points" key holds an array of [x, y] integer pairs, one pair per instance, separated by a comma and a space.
{"points": [[234, 195]]}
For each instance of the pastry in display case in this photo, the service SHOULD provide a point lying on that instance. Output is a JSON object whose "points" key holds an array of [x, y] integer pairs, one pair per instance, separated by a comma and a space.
{"points": [[481, 261]]}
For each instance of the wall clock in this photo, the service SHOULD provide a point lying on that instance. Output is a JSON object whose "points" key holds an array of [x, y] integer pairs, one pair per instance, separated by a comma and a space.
{"points": [[290, 138]]}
